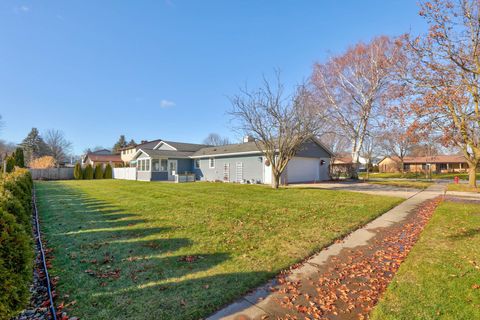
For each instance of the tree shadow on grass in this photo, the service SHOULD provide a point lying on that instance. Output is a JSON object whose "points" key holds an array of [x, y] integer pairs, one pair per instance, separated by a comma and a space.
{"points": [[195, 298], [465, 234], [116, 267]]}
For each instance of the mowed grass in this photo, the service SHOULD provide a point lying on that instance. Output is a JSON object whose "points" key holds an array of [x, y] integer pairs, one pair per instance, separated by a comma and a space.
{"points": [[441, 277], [461, 187], [145, 250], [404, 184]]}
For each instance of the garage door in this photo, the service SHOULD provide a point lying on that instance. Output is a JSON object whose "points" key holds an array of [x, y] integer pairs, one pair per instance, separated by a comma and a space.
{"points": [[303, 169]]}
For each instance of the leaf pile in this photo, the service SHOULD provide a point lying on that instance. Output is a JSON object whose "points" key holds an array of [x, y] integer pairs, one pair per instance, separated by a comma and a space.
{"points": [[351, 284]]}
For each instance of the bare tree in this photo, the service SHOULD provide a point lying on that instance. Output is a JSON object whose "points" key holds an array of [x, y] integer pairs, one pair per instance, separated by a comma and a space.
{"points": [[354, 87], [445, 71], [58, 146], [214, 139], [278, 122], [370, 150]]}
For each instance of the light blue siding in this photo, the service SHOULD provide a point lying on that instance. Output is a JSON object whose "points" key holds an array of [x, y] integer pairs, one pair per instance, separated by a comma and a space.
{"points": [[226, 169]]}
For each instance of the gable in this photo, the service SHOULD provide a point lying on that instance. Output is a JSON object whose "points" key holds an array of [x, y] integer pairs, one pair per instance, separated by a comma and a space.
{"points": [[313, 149], [164, 146]]}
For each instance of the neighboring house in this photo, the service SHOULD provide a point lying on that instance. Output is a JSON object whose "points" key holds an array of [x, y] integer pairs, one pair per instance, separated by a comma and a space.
{"points": [[438, 164], [242, 162], [102, 157], [344, 162], [129, 152]]}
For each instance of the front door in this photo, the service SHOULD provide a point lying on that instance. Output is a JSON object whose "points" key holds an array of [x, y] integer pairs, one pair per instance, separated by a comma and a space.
{"points": [[172, 169]]}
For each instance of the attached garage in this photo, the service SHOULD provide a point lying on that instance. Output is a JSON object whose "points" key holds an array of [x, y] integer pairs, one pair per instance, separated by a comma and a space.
{"points": [[303, 170]]}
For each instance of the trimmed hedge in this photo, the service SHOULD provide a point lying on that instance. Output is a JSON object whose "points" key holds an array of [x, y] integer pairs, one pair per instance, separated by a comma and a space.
{"points": [[98, 171], [16, 249], [108, 174]]}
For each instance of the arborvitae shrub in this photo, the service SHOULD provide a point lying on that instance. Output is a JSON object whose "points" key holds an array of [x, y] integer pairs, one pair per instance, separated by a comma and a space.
{"points": [[88, 173], [10, 164], [16, 258], [16, 254], [19, 158], [98, 171], [78, 172], [108, 174]]}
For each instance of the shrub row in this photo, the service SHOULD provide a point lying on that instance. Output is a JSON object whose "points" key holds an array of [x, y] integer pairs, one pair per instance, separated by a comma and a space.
{"points": [[16, 249], [89, 173]]}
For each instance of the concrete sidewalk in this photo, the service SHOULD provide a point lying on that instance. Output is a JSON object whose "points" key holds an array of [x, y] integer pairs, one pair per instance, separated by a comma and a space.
{"points": [[262, 302]]}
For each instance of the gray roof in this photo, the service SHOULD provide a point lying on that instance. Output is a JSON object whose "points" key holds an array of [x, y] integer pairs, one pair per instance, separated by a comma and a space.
{"points": [[188, 147], [167, 153], [229, 148], [148, 144]]}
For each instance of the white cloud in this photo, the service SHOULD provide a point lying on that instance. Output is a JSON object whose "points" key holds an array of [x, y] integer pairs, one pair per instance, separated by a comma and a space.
{"points": [[167, 104], [23, 8]]}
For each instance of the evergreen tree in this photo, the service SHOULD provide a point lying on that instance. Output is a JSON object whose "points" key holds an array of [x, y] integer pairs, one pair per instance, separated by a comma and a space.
{"points": [[88, 173], [10, 166], [33, 146], [132, 143], [98, 172], [19, 158], [78, 172], [121, 143], [108, 174]]}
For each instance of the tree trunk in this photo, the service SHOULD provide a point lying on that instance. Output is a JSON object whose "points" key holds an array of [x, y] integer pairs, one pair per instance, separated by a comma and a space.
{"points": [[275, 180], [472, 174]]}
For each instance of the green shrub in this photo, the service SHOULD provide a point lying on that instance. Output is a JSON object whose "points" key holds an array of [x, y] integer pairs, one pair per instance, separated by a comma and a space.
{"points": [[19, 158], [10, 166], [98, 171], [16, 254], [88, 172], [16, 259], [78, 172], [108, 174]]}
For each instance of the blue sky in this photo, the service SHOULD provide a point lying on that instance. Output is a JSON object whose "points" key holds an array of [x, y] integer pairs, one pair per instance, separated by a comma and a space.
{"points": [[165, 69]]}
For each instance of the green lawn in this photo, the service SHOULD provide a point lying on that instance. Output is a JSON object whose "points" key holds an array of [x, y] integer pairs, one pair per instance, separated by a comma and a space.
{"points": [[441, 277], [462, 187], [403, 183], [140, 250]]}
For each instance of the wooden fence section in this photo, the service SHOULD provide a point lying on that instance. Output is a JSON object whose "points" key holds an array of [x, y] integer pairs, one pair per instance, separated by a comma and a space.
{"points": [[52, 174]]}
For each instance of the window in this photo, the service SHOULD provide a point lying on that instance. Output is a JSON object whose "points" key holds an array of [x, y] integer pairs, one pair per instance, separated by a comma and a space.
{"points": [[143, 165], [147, 165], [197, 163], [163, 165], [211, 163], [155, 165]]}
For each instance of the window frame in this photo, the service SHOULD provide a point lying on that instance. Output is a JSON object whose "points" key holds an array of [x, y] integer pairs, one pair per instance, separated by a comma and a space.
{"points": [[210, 163], [196, 163]]}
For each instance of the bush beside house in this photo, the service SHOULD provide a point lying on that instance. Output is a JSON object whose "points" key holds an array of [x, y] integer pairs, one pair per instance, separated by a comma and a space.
{"points": [[78, 172], [88, 172], [98, 171], [108, 174], [16, 254]]}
